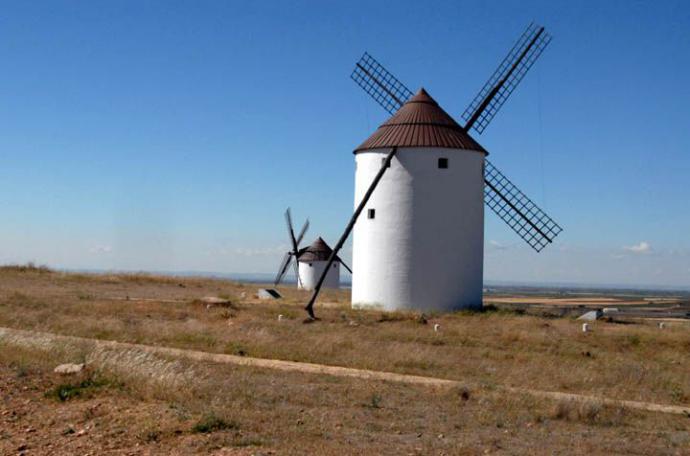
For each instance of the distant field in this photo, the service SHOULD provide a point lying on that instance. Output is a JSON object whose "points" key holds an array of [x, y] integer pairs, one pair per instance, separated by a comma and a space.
{"points": [[293, 412], [563, 301]]}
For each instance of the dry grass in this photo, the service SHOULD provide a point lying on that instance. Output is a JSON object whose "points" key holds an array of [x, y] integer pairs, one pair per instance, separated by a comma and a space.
{"points": [[633, 362], [291, 413], [592, 412], [23, 268]]}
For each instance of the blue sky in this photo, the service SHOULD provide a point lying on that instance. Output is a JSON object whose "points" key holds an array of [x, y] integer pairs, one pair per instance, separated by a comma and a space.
{"points": [[172, 135]]}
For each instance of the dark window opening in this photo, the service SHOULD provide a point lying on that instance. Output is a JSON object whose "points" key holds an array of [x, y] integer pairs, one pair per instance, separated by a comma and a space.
{"points": [[443, 163], [333, 264], [309, 264], [383, 162], [371, 213]]}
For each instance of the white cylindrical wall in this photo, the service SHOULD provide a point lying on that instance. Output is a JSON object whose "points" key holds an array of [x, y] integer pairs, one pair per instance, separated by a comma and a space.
{"points": [[309, 273], [424, 248]]}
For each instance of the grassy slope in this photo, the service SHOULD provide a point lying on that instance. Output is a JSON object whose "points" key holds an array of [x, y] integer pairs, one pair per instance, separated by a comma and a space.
{"points": [[635, 362], [290, 412]]}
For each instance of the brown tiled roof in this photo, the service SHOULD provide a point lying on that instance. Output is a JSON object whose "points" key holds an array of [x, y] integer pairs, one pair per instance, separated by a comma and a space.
{"points": [[317, 251], [420, 122]]}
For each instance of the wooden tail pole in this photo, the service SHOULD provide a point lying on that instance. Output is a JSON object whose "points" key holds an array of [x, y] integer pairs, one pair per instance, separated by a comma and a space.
{"points": [[386, 164]]}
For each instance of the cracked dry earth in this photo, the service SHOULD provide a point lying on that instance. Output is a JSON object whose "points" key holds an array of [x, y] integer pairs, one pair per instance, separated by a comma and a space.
{"points": [[107, 421]]}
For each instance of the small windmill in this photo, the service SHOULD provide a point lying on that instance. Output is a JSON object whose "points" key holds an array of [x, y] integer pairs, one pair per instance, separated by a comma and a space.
{"points": [[422, 129], [311, 261], [293, 253]]}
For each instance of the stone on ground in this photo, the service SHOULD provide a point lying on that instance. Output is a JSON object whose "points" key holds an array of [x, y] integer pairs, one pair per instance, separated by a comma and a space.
{"points": [[69, 368], [268, 293], [591, 315], [216, 301]]}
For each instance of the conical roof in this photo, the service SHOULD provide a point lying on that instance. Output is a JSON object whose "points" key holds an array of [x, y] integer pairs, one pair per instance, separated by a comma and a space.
{"points": [[420, 122], [317, 251]]}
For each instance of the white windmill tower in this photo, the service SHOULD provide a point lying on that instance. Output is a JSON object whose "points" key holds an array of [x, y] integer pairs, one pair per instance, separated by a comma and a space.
{"points": [[309, 262], [421, 243]]}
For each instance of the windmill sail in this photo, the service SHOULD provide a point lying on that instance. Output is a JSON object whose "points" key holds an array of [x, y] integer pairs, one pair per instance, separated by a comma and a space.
{"points": [[507, 76], [301, 234], [380, 84], [283, 268], [517, 210], [502, 196], [293, 253]]}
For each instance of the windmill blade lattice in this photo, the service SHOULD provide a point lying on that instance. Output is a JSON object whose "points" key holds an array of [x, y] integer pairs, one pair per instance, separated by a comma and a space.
{"points": [[380, 84], [507, 76], [517, 210]]}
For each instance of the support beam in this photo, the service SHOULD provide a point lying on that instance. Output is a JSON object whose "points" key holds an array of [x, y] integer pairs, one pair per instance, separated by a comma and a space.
{"points": [[348, 229]]}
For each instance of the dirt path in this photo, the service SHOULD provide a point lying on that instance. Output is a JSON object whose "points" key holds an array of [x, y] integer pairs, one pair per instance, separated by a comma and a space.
{"points": [[46, 341]]}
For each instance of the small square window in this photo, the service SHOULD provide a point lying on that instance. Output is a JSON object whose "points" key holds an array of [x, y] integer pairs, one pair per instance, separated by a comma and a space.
{"points": [[371, 213], [383, 162], [443, 163]]}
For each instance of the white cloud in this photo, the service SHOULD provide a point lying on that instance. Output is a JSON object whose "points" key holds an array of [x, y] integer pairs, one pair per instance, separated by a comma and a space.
{"points": [[101, 249], [642, 247], [254, 252], [495, 245]]}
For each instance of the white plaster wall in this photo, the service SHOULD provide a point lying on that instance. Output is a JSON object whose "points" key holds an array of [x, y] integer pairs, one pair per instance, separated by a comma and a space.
{"points": [[309, 274], [424, 249]]}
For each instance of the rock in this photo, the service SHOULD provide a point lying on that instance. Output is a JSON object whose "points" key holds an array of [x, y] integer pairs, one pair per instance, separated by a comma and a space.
{"points": [[69, 368], [591, 315], [268, 293], [215, 301]]}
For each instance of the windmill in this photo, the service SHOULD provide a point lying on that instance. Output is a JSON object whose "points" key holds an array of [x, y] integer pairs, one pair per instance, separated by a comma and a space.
{"points": [[310, 262], [418, 133]]}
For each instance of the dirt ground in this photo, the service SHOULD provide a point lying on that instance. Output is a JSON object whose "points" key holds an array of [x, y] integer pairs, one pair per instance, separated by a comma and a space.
{"points": [[259, 411], [292, 414], [107, 421]]}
